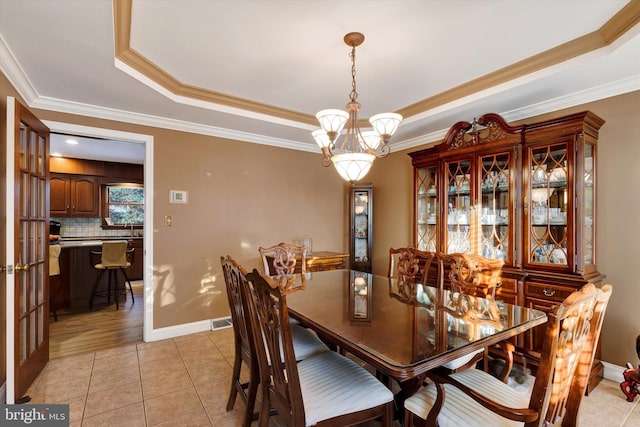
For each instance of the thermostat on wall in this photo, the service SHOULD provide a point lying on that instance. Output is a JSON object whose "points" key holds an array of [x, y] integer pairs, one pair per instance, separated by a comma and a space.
{"points": [[176, 196]]}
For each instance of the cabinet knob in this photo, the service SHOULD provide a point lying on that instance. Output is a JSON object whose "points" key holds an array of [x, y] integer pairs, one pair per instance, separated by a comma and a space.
{"points": [[548, 292], [499, 285]]}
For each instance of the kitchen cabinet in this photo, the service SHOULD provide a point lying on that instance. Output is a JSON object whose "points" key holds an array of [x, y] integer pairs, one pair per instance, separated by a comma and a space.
{"points": [[361, 229], [74, 195], [524, 194], [136, 271]]}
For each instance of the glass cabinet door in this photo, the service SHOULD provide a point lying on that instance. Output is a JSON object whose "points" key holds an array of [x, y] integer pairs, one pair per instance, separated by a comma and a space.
{"points": [[361, 227], [546, 206], [458, 209], [589, 205], [495, 218], [426, 209]]}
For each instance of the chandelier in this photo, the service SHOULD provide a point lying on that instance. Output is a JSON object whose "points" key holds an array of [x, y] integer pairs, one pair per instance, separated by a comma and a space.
{"points": [[354, 156]]}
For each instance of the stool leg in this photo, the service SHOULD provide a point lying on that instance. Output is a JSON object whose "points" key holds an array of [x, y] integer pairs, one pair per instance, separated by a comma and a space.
{"points": [[115, 287], [126, 278], [93, 291]]}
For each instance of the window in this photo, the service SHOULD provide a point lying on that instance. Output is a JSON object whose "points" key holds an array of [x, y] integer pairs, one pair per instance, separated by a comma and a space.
{"points": [[125, 204]]}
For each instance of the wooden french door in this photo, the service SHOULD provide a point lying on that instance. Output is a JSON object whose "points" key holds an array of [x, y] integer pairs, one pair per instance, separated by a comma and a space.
{"points": [[27, 249]]}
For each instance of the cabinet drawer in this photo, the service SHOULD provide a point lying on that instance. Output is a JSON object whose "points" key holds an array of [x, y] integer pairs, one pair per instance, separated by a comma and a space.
{"points": [[547, 292], [507, 285]]}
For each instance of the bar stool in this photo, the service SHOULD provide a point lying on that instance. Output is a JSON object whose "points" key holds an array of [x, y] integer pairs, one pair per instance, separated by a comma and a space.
{"points": [[114, 257]]}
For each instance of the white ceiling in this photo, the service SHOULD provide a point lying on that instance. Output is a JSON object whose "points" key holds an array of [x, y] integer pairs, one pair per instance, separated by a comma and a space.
{"points": [[289, 55]]}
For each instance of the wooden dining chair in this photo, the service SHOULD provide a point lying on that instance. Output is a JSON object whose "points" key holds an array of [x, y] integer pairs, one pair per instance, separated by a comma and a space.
{"points": [[326, 389], [413, 265], [471, 274], [475, 398], [305, 342], [283, 258]]}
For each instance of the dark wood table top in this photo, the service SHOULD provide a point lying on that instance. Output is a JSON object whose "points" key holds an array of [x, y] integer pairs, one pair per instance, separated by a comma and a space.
{"points": [[403, 329]]}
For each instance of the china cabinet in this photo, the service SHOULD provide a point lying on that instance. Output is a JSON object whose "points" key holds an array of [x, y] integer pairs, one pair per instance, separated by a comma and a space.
{"points": [[524, 194], [361, 230]]}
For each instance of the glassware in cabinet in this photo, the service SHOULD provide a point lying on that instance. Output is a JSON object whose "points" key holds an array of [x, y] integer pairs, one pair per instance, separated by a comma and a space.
{"points": [[495, 218], [361, 227], [458, 214], [547, 205], [426, 208]]}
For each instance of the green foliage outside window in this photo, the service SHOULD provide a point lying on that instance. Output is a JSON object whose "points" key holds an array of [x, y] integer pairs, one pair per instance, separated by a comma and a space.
{"points": [[126, 204]]}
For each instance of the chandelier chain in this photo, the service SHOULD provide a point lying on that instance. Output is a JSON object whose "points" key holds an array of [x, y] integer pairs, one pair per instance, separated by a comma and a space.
{"points": [[354, 94]]}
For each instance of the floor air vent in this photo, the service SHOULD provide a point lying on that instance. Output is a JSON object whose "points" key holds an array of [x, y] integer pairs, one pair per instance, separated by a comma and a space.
{"points": [[223, 323]]}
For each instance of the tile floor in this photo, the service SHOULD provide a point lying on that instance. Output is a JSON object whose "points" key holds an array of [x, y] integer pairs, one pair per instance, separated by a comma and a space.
{"points": [[184, 382]]}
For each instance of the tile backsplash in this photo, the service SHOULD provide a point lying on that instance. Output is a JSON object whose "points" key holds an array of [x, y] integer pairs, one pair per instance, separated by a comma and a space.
{"points": [[89, 227]]}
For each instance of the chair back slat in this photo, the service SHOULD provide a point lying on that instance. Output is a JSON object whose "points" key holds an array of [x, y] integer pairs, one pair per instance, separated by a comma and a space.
{"points": [[283, 258], [269, 315]]}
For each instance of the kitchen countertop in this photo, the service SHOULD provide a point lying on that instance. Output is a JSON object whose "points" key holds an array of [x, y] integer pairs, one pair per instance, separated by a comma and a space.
{"points": [[74, 242]]}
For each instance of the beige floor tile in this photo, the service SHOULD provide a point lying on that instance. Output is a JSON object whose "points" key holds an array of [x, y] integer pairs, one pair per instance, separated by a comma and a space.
{"points": [[118, 361], [56, 374], [113, 378], [212, 394], [221, 418], [156, 344], [160, 367], [61, 391], [150, 354], [112, 398], [216, 373], [76, 407], [171, 406], [201, 343], [115, 351], [130, 416], [158, 385], [197, 418]]}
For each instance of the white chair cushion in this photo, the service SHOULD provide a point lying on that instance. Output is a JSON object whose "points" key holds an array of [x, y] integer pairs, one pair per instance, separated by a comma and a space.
{"points": [[460, 361], [333, 385], [305, 342], [460, 410]]}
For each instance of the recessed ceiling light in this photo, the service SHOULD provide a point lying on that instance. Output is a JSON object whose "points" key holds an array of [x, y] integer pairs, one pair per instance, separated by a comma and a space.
{"points": [[71, 142]]}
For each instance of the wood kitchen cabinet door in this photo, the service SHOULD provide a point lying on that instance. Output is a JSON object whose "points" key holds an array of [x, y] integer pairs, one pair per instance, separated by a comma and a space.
{"points": [[74, 195]]}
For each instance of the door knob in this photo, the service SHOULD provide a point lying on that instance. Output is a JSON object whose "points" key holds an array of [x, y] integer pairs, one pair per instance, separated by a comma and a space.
{"points": [[23, 267]]}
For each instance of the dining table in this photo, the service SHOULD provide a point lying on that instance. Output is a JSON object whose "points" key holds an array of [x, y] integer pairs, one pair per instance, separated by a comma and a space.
{"points": [[402, 329]]}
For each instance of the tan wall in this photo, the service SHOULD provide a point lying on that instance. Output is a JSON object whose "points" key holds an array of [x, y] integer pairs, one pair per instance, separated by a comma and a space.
{"points": [[618, 224]]}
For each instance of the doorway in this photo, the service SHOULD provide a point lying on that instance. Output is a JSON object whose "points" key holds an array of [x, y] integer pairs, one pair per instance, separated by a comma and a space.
{"points": [[140, 315]]}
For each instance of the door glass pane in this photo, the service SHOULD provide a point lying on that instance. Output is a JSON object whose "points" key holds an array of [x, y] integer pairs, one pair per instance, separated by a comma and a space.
{"points": [[41, 156], [21, 278], [24, 194], [23, 340], [42, 205], [33, 151], [589, 204], [23, 147], [32, 330], [33, 248], [43, 240], [40, 325], [494, 206], [35, 196], [548, 206], [458, 182], [426, 209]]}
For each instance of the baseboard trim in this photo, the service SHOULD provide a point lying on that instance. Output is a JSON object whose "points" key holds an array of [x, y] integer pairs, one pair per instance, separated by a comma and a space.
{"points": [[613, 372], [179, 330]]}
